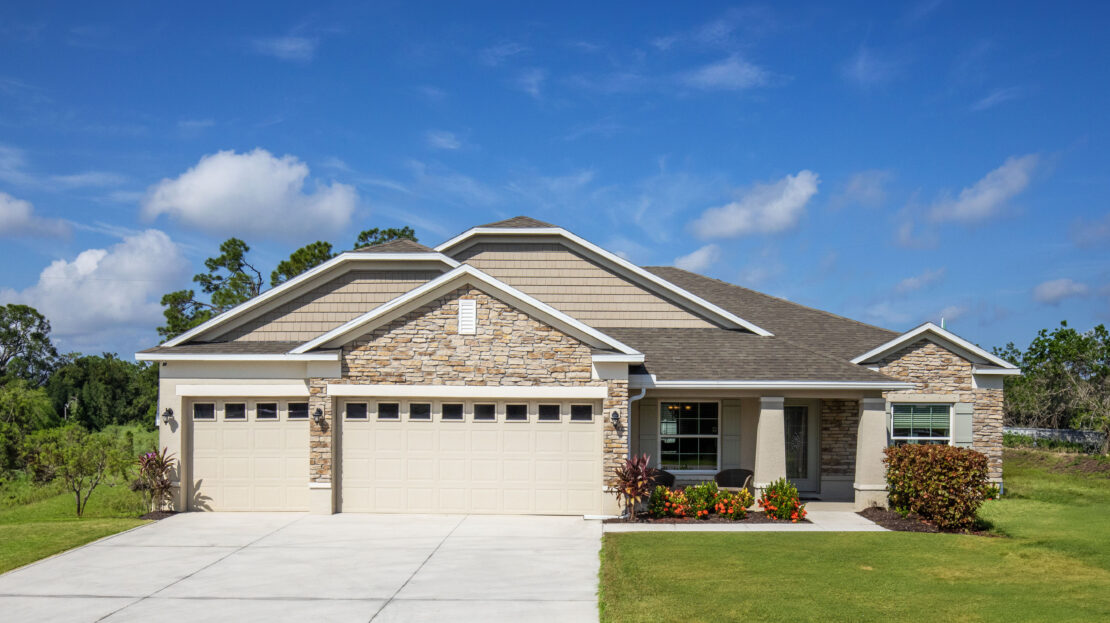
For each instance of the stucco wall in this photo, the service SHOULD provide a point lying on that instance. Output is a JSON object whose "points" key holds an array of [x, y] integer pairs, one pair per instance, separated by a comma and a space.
{"points": [[934, 369]]}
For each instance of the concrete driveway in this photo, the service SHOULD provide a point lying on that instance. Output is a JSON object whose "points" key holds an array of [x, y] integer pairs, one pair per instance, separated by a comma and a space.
{"points": [[292, 567]]}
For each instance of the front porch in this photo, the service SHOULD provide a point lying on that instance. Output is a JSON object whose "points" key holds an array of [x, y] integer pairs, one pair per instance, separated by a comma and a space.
{"points": [[830, 445]]}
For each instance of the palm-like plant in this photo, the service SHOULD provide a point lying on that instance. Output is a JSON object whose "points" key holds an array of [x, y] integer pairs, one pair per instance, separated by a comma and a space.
{"points": [[154, 477], [634, 482]]}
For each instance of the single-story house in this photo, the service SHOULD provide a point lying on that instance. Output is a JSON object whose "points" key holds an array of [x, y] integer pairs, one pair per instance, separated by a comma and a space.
{"points": [[513, 367]]}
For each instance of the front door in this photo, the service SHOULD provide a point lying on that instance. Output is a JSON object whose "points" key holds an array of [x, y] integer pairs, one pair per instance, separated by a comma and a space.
{"points": [[801, 447]]}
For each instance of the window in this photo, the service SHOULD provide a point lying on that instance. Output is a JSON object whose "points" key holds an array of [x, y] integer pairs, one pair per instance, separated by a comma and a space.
{"points": [[928, 424], [549, 413], [265, 411], [298, 411], [235, 411], [204, 411], [516, 413], [688, 435], [389, 411], [356, 411], [581, 413], [484, 413], [420, 411], [451, 411]]}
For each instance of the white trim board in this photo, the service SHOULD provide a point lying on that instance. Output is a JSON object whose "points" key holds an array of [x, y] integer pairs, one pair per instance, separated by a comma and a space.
{"points": [[465, 273], [642, 380], [942, 336], [321, 356], [303, 278], [284, 390], [644, 278], [585, 392]]}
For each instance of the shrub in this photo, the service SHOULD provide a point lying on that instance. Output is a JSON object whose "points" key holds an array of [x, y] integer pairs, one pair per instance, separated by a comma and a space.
{"points": [[780, 501], [943, 484], [733, 505], [634, 480], [702, 498], [668, 503], [154, 482], [80, 459]]}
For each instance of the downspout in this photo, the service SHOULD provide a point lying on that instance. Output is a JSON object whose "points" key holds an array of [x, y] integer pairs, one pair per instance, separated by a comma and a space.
{"points": [[628, 431]]}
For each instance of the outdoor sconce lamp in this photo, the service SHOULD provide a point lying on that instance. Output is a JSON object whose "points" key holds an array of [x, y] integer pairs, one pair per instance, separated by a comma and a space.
{"points": [[167, 416], [318, 416], [616, 418]]}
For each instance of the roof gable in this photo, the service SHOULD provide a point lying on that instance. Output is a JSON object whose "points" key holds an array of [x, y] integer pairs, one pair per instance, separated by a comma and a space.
{"points": [[609, 261], [447, 282], [941, 337], [517, 222]]}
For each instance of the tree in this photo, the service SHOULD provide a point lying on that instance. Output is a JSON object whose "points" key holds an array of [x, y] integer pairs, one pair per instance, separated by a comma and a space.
{"points": [[378, 236], [23, 410], [82, 460], [25, 348], [229, 281], [105, 390], [304, 258]]}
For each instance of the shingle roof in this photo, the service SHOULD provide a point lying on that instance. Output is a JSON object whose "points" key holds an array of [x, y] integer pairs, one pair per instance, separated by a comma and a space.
{"points": [[518, 222], [819, 330], [402, 245], [226, 348], [726, 355]]}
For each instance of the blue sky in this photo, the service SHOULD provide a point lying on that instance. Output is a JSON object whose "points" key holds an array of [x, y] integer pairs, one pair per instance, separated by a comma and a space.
{"points": [[893, 163]]}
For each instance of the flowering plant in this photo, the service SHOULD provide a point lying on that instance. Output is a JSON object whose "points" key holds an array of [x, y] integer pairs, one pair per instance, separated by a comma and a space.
{"points": [[780, 501], [154, 477]]}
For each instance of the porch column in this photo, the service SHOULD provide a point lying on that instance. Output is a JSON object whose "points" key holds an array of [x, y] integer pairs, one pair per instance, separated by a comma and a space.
{"points": [[870, 481], [321, 440], [770, 443]]}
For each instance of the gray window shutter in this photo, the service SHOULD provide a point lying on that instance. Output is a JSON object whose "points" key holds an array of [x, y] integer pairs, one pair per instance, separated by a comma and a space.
{"points": [[961, 424], [648, 433], [730, 434]]}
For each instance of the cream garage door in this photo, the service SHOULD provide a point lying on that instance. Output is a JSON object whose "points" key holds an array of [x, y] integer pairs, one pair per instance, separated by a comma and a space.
{"points": [[416, 456], [249, 455]]}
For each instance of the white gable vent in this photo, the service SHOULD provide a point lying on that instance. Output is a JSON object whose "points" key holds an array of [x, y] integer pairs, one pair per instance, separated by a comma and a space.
{"points": [[468, 316]]}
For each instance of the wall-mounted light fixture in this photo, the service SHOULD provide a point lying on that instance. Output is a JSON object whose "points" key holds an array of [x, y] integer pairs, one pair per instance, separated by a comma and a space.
{"points": [[318, 416], [616, 418], [167, 416]]}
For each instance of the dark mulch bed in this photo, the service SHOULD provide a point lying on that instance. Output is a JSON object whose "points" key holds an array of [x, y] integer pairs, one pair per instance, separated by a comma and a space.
{"points": [[892, 520], [753, 517], [156, 515]]}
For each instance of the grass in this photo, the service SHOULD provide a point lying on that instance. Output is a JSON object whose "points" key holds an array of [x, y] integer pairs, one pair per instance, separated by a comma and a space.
{"points": [[39, 521], [1053, 563]]}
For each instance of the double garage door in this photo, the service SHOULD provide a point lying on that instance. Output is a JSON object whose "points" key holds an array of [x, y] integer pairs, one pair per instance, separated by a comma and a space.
{"points": [[402, 456]]}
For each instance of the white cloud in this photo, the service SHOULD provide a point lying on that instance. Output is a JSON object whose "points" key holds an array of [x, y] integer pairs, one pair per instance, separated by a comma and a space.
{"points": [[867, 69], [699, 259], [952, 313], [917, 282], [1052, 292], [986, 197], [12, 165], [251, 193], [497, 54], [531, 81], [286, 48], [730, 74], [765, 209], [996, 97], [441, 139], [87, 179], [17, 217], [106, 290], [865, 188]]}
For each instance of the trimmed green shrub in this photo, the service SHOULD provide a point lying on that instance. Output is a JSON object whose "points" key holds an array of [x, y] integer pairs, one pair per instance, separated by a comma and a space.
{"points": [[943, 484], [733, 505], [666, 502], [701, 498], [780, 501]]}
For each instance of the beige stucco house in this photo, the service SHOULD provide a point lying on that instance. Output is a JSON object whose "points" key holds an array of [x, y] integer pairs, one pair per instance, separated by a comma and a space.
{"points": [[511, 368]]}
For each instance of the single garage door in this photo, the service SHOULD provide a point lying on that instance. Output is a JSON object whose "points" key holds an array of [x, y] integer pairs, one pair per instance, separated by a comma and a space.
{"points": [[249, 455], [432, 456]]}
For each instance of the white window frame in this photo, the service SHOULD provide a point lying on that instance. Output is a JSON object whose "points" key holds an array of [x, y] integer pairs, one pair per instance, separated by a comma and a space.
{"points": [[408, 410], [289, 414], [378, 411], [917, 440], [462, 411], [347, 418], [660, 436], [558, 415], [527, 413], [193, 411], [474, 412], [223, 410], [277, 410], [594, 411]]}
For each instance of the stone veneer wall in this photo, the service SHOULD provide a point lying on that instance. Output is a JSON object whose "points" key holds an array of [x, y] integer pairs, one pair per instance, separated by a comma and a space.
{"points": [[936, 370], [839, 425], [423, 347]]}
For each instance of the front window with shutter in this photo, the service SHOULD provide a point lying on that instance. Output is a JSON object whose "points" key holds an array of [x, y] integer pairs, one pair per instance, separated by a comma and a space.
{"points": [[921, 423]]}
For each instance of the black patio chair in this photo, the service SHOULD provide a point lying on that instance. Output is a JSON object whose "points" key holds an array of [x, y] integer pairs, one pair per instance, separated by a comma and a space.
{"points": [[733, 478], [664, 478]]}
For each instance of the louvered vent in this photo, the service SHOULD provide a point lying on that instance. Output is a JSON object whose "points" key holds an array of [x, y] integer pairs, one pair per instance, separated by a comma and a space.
{"points": [[468, 316]]}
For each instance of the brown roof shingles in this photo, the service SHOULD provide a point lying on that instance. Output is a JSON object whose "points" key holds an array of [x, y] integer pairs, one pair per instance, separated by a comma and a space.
{"points": [[402, 245], [226, 348], [518, 222]]}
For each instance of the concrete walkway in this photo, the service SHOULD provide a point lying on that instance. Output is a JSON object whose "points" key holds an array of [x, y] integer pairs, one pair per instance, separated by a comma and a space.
{"points": [[824, 517], [246, 567]]}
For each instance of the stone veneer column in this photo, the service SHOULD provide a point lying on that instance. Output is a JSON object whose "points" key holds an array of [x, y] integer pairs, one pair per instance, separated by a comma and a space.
{"points": [[770, 443], [870, 483], [615, 437], [321, 440]]}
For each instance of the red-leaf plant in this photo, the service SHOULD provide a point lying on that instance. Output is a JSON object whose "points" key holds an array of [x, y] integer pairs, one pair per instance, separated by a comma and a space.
{"points": [[634, 482]]}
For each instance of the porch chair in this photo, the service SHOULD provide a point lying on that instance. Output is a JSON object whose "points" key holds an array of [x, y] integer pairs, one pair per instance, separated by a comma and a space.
{"points": [[734, 479], [664, 478]]}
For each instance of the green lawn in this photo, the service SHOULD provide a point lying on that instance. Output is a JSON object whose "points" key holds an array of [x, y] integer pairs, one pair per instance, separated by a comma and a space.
{"points": [[1054, 564], [33, 526]]}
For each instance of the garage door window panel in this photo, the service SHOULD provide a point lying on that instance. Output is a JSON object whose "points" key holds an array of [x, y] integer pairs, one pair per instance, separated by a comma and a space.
{"points": [[485, 413], [451, 412], [266, 411], [235, 411], [204, 411], [420, 411], [356, 411], [298, 411], [549, 413], [389, 411], [581, 413], [516, 413]]}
